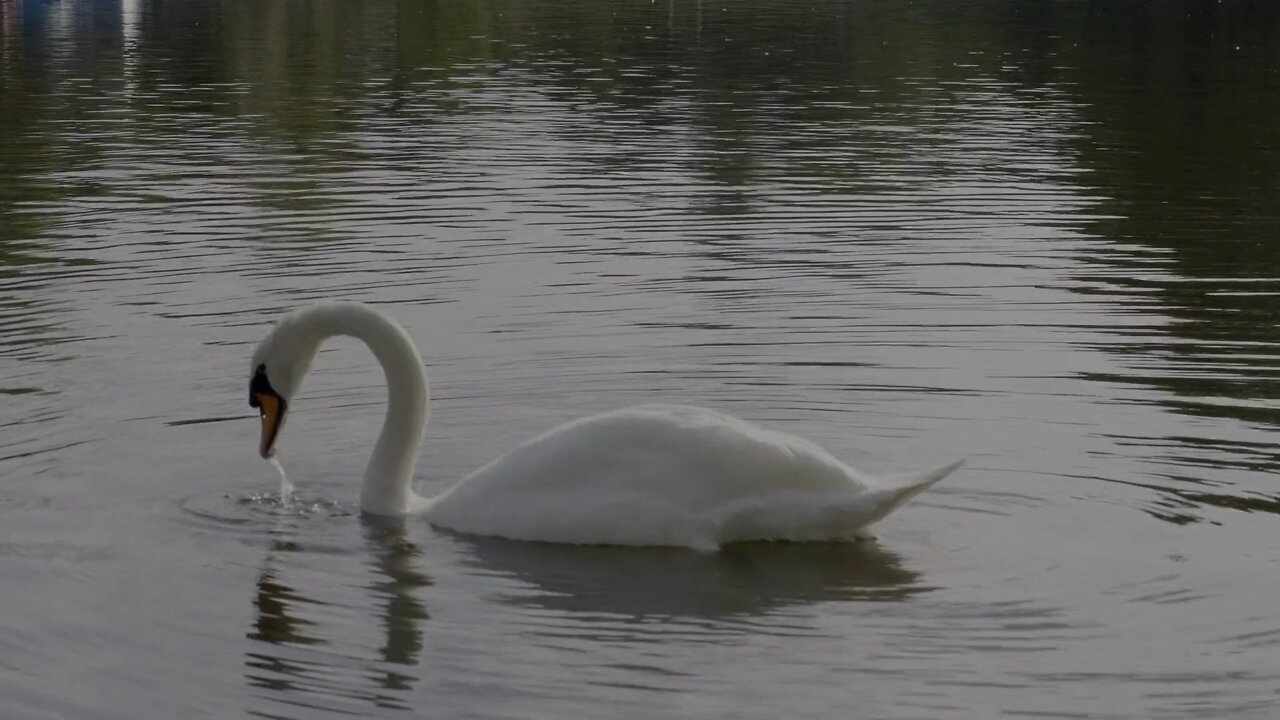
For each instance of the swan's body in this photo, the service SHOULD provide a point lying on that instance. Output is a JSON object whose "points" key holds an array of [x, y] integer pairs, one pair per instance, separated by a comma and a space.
{"points": [[644, 475]]}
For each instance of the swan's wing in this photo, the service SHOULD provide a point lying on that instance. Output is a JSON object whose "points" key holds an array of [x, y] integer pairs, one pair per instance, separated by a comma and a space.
{"points": [[630, 469], [696, 455]]}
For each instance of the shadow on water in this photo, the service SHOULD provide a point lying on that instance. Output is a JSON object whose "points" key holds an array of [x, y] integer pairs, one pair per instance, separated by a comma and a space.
{"points": [[1185, 164], [289, 657], [1179, 504], [743, 579]]}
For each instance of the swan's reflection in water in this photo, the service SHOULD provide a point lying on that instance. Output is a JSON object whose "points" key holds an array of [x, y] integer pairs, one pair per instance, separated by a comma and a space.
{"points": [[315, 650], [398, 560], [742, 580], [274, 622], [299, 658]]}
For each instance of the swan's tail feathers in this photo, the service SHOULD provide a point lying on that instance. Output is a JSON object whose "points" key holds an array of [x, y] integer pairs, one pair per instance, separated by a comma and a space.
{"points": [[901, 488]]}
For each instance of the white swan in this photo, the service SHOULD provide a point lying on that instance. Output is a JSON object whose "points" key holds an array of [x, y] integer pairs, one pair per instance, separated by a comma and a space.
{"points": [[645, 475]]}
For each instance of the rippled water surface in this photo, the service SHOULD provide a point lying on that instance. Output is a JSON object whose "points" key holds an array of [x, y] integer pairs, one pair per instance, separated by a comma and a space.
{"points": [[1042, 234]]}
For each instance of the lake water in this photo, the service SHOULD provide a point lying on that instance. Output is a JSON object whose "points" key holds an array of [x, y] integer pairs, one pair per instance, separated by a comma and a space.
{"points": [[1045, 235]]}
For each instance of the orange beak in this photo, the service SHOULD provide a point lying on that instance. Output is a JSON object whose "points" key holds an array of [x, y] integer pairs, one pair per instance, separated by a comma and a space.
{"points": [[272, 407]]}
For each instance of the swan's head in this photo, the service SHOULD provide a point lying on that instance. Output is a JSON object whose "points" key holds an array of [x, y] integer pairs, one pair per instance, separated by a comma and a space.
{"points": [[279, 364]]}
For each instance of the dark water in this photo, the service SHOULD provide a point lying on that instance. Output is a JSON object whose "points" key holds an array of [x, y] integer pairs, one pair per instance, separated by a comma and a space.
{"points": [[1042, 234]]}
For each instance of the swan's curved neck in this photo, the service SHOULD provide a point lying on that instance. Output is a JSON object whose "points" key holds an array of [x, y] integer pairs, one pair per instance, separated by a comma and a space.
{"points": [[386, 489]]}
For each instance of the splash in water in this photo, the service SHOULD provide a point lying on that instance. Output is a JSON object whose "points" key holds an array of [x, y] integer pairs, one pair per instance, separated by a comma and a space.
{"points": [[286, 487]]}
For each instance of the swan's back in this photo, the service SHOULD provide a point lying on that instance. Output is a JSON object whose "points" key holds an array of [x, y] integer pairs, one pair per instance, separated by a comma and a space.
{"points": [[665, 475]]}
